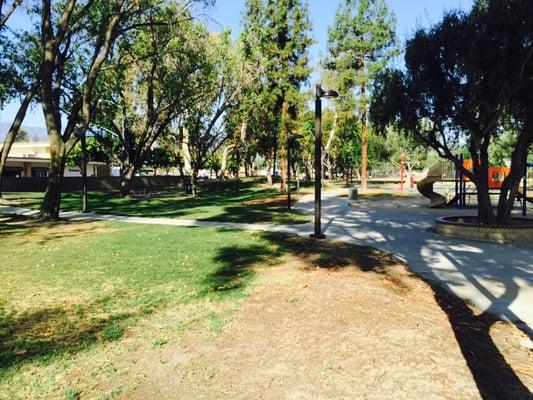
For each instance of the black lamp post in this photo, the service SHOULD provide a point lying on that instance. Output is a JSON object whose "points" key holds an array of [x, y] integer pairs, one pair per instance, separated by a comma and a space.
{"points": [[319, 95], [84, 162]]}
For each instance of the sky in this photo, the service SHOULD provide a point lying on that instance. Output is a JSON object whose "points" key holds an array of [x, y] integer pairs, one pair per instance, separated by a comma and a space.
{"points": [[410, 15]]}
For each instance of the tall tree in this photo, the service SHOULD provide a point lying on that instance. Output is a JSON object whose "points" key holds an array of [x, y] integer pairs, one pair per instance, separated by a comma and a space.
{"points": [[7, 8], [360, 44], [465, 79], [228, 76], [76, 40], [17, 68], [156, 75], [281, 32]]}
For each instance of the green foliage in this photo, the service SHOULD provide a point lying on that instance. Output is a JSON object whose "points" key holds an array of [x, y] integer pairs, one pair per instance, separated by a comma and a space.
{"points": [[226, 75], [467, 79], [157, 73], [276, 38], [160, 158], [99, 149], [361, 42]]}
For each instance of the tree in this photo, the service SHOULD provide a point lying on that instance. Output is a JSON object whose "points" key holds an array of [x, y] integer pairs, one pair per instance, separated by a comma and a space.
{"points": [[16, 69], [360, 44], [280, 32], [227, 75], [76, 40], [99, 149], [7, 12], [156, 77], [465, 79], [403, 147], [160, 158], [23, 136]]}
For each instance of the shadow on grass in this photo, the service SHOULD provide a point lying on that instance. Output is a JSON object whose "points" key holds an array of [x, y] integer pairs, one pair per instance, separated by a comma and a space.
{"points": [[259, 214], [235, 272], [44, 333], [32, 230], [227, 201]]}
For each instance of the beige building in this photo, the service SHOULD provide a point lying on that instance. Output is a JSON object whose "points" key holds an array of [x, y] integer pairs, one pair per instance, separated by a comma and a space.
{"points": [[32, 159]]}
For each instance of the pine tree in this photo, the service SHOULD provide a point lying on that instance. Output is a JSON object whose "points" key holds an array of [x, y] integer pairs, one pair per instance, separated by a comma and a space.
{"points": [[281, 32], [360, 44]]}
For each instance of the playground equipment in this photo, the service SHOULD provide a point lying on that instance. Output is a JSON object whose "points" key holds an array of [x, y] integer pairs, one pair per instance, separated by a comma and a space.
{"points": [[496, 176], [425, 186]]}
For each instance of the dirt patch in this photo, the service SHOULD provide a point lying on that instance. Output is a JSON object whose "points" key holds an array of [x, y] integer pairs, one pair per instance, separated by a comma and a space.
{"points": [[339, 333], [42, 232]]}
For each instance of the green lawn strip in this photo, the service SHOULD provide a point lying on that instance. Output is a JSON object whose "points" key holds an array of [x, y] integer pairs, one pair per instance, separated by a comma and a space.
{"points": [[222, 201]]}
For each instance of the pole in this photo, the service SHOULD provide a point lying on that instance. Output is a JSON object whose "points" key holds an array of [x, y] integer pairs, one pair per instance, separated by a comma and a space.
{"points": [[85, 201], [289, 145], [318, 165], [456, 205], [524, 191], [462, 196], [401, 172]]}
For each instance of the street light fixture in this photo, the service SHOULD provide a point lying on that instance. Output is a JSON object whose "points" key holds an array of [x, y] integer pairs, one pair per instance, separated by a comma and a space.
{"points": [[320, 94]]}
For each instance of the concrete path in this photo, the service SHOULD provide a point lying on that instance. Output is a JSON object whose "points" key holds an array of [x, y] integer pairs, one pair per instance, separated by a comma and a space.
{"points": [[496, 278]]}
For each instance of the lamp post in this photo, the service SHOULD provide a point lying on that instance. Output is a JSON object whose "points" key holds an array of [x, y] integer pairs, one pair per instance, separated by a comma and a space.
{"points": [[320, 93], [85, 200]]}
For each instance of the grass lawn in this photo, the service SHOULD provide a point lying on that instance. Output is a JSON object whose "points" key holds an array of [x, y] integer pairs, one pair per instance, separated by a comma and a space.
{"points": [[109, 310], [70, 288], [234, 201]]}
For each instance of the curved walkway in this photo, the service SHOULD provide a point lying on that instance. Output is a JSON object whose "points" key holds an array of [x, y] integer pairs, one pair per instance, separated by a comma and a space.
{"points": [[496, 278]]}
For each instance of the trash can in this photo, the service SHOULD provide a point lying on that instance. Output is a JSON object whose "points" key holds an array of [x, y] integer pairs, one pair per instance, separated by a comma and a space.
{"points": [[353, 193]]}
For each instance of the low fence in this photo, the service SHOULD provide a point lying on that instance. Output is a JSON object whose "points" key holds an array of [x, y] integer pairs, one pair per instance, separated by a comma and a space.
{"points": [[106, 184]]}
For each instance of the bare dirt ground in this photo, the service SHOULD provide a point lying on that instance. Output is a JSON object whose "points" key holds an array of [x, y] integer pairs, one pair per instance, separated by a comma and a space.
{"points": [[337, 333]]}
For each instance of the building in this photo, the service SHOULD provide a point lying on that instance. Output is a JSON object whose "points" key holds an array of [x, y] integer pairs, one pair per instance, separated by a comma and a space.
{"points": [[32, 159]]}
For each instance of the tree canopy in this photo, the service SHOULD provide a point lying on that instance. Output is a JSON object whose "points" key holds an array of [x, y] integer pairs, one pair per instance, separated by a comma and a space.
{"points": [[468, 78]]}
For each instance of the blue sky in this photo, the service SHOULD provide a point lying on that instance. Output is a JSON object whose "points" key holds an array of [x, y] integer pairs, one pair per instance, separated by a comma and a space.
{"points": [[411, 14]]}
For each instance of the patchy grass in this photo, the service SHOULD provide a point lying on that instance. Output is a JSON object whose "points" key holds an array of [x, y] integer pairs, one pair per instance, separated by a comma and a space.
{"points": [[107, 310], [72, 287], [246, 201]]}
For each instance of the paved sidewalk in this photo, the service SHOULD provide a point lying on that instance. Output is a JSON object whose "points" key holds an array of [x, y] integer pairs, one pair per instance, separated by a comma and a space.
{"points": [[496, 278]]}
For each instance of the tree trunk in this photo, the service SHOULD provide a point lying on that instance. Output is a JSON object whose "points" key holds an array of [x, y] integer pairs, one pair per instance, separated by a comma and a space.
{"points": [[481, 172], [126, 178], [274, 158], [268, 171], [364, 140], [283, 164], [194, 179], [52, 198], [511, 184]]}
